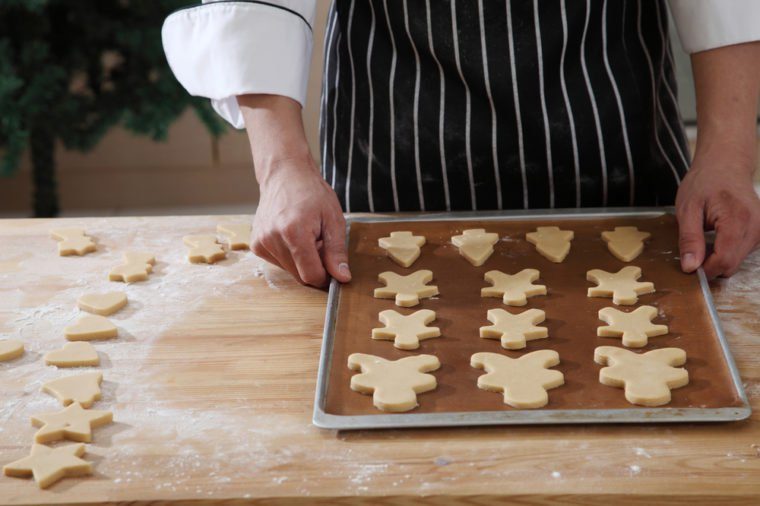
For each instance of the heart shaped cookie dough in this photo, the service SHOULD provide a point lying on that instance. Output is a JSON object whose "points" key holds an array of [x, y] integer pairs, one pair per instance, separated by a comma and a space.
{"points": [[103, 304], [10, 349], [76, 354], [91, 327]]}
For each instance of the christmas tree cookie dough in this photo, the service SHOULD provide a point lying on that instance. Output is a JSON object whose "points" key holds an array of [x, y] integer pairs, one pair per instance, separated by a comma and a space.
{"points": [[647, 378], [635, 327], [513, 288], [82, 388], [91, 327], [625, 243], [402, 247], [238, 234], [551, 242], [514, 329], [203, 249], [76, 354], [406, 331], [102, 304], [72, 422], [622, 286], [10, 349], [476, 245], [523, 380], [72, 241], [394, 384], [136, 267], [406, 290], [49, 465]]}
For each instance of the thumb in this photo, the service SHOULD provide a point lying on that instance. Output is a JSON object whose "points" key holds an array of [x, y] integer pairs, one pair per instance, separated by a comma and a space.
{"points": [[691, 238], [335, 256]]}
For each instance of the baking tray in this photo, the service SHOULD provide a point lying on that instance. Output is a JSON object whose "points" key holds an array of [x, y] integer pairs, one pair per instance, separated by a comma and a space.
{"points": [[715, 391]]}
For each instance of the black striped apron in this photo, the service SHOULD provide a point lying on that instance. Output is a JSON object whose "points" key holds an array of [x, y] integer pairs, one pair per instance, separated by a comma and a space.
{"points": [[478, 105]]}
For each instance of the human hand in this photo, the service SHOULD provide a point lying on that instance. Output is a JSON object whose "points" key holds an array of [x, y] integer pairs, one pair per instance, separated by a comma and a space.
{"points": [[299, 224], [717, 194]]}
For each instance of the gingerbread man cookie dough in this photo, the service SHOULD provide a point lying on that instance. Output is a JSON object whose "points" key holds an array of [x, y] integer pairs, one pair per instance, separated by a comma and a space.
{"points": [[203, 249], [523, 380], [647, 378], [625, 243], [238, 234], [394, 384], [635, 327], [136, 267], [72, 241], [514, 329], [622, 286], [406, 290], [476, 245], [551, 242], [406, 331], [402, 247], [513, 288]]}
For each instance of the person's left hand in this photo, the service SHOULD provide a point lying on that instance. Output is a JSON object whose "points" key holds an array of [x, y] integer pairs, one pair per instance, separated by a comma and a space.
{"points": [[717, 194]]}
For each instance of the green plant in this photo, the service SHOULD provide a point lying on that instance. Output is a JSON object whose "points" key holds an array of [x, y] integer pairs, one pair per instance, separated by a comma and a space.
{"points": [[71, 70]]}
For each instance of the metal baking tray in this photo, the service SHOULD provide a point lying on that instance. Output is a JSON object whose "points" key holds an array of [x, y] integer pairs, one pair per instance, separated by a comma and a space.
{"points": [[635, 414]]}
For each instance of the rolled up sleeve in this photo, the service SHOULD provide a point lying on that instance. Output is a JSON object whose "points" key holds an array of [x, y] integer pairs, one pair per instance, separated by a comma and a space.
{"points": [[709, 24], [223, 49]]}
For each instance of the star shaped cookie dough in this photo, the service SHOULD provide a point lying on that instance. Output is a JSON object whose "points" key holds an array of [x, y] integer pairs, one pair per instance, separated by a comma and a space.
{"points": [[81, 388], [406, 331], [551, 242], [407, 290], [622, 286], [635, 327], [49, 465], [625, 243], [475, 244], [402, 247], [513, 288], [514, 329], [72, 422]]}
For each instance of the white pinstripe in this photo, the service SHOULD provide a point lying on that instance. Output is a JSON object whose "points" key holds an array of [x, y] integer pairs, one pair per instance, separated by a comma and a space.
{"points": [[335, 107], [370, 147], [353, 109], [597, 123], [547, 133], [323, 108], [441, 109], [655, 101], [619, 101], [563, 84], [392, 110], [487, 79], [416, 111], [516, 100], [467, 126]]}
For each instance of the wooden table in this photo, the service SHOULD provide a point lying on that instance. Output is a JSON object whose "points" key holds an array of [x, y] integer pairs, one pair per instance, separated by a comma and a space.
{"points": [[212, 381]]}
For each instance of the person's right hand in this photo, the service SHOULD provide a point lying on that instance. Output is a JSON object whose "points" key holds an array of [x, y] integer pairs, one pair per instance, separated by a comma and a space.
{"points": [[299, 224]]}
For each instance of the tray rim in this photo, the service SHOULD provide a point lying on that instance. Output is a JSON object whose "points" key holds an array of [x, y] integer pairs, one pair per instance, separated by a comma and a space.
{"points": [[326, 420]]}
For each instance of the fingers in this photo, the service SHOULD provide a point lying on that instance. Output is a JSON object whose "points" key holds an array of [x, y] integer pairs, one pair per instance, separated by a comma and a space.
{"points": [[731, 246], [303, 251], [334, 255], [691, 237]]}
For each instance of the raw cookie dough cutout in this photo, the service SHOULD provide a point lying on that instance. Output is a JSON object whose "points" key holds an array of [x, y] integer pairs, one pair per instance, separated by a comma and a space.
{"points": [[514, 329], [625, 243], [513, 288], [402, 247], [82, 388], [10, 349], [72, 422], [102, 304], [406, 331], [475, 244], [203, 249], [394, 384], [523, 380], [72, 241], [76, 354], [635, 327], [238, 234], [407, 290], [91, 327], [622, 286], [551, 242], [49, 465], [647, 378], [136, 267]]}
